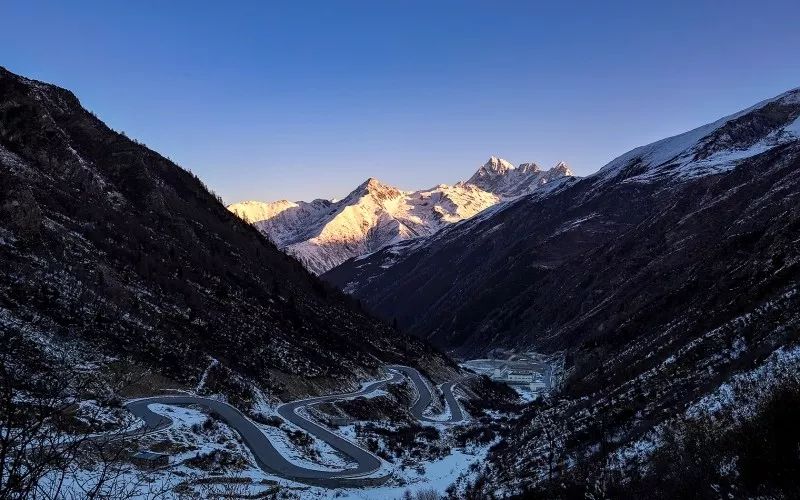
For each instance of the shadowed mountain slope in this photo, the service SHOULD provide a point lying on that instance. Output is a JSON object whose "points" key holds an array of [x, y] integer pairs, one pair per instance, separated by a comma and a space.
{"points": [[655, 230], [106, 243], [669, 279]]}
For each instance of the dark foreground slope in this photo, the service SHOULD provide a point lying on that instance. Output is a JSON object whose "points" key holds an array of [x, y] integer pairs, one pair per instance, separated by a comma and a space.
{"points": [[670, 279], [702, 337], [107, 243]]}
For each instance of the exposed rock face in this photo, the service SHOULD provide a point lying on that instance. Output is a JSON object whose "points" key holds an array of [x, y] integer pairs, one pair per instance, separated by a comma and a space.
{"points": [[322, 234], [503, 179]]}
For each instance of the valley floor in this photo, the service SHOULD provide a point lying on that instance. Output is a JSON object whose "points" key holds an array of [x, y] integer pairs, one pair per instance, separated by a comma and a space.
{"points": [[213, 448]]}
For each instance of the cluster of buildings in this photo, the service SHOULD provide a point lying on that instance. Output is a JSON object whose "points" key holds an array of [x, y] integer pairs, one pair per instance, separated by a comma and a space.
{"points": [[527, 371], [518, 376]]}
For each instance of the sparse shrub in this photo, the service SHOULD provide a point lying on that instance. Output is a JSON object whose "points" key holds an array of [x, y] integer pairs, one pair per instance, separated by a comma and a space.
{"points": [[300, 438], [428, 494], [271, 420]]}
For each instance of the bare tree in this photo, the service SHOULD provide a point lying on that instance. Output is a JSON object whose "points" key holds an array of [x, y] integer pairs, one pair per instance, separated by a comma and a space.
{"points": [[428, 494], [46, 452]]}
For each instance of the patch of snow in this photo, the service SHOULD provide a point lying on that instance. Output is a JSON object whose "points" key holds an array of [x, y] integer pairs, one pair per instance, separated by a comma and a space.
{"points": [[202, 381]]}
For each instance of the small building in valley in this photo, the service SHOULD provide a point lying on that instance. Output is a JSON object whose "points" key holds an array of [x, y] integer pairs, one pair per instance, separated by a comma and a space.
{"points": [[520, 377], [513, 376]]}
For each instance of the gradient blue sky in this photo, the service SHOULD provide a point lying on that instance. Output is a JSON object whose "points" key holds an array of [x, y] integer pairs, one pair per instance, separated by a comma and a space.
{"points": [[299, 99]]}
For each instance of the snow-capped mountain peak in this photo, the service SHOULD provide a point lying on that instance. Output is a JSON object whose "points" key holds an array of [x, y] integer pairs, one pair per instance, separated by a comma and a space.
{"points": [[529, 167], [562, 168], [507, 181], [374, 187], [322, 234], [372, 184], [495, 167], [498, 165]]}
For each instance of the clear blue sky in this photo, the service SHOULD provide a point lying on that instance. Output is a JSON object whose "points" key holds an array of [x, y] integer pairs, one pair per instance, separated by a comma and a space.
{"points": [[298, 99]]}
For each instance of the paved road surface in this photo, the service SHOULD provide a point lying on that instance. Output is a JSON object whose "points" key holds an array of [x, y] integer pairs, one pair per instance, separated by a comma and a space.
{"points": [[270, 458], [425, 397]]}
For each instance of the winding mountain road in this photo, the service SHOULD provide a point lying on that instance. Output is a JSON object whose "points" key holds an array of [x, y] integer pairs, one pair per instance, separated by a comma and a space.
{"points": [[425, 397], [272, 461]]}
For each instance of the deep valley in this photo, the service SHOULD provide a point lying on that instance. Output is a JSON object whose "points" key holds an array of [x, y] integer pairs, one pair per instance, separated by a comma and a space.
{"points": [[525, 333]]}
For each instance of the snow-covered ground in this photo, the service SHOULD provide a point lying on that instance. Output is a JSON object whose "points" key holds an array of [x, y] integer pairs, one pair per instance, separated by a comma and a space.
{"points": [[435, 475], [187, 444], [207, 457], [432, 475], [526, 394], [326, 457], [738, 398]]}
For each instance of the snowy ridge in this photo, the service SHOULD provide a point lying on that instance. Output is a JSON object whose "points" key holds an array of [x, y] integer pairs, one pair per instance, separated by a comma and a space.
{"points": [[371, 264], [323, 234], [502, 178], [715, 147], [284, 222]]}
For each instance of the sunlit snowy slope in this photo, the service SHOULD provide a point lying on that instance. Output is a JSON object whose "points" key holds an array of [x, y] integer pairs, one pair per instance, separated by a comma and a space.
{"points": [[322, 234]]}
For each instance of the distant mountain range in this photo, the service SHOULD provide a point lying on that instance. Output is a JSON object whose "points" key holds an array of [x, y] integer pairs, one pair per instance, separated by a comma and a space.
{"points": [[322, 234]]}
